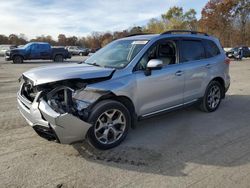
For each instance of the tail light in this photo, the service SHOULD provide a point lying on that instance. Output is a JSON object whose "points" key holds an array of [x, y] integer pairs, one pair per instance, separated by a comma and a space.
{"points": [[227, 61]]}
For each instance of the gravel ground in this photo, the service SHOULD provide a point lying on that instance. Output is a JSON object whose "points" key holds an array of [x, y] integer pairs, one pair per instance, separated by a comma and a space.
{"points": [[186, 148]]}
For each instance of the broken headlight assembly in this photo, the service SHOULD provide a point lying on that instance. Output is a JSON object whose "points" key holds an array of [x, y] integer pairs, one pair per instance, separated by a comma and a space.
{"points": [[81, 105], [62, 101]]}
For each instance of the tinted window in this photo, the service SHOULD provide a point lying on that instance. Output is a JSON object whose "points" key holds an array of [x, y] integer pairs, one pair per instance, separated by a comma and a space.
{"points": [[211, 48], [44, 46], [192, 50], [34, 47]]}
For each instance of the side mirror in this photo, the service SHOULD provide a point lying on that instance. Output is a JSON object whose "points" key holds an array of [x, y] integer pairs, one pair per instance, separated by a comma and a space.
{"points": [[153, 64]]}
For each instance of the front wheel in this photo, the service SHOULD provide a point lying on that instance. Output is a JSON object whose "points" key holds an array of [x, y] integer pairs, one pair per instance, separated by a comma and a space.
{"points": [[110, 123], [17, 59], [212, 97]]}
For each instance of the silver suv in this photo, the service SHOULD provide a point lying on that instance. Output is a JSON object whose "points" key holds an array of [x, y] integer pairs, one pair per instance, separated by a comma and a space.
{"points": [[130, 79]]}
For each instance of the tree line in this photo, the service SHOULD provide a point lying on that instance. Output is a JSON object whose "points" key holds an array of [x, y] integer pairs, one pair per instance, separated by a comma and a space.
{"points": [[229, 20]]}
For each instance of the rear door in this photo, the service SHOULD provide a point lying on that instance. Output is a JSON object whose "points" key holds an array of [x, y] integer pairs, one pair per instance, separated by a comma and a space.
{"points": [[195, 67], [45, 51]]}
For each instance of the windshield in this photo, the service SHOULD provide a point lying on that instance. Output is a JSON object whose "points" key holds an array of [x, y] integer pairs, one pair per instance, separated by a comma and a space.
{"points": [[117, 54], [25, 46]]}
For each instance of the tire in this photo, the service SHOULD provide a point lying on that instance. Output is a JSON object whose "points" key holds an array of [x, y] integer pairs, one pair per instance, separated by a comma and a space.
{"points": [[17, 59], [212, 98], [58, 58], [108, 131], [81, 54]]}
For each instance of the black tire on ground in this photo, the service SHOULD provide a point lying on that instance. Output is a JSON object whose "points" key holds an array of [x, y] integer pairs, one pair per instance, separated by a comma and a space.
{"points": [[58, 58], [17, 59], [212, 98], [98, 114], [81, 54]]}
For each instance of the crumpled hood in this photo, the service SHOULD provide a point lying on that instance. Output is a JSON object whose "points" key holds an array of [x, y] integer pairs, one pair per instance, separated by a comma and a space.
{"points": [[53, 73]]}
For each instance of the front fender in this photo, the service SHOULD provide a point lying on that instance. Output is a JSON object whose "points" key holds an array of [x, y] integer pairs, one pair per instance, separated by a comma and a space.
{"points": [[124, 86]]}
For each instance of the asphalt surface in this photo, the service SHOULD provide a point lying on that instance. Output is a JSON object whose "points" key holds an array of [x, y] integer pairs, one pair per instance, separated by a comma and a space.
{"points": [[185, 148]]}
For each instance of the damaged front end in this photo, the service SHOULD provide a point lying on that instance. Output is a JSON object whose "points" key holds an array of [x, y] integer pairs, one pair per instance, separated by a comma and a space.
{"points": [[58, 111]]}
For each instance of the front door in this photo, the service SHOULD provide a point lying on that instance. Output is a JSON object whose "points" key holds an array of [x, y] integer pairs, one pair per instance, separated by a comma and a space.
{"points": [[163, 89]]}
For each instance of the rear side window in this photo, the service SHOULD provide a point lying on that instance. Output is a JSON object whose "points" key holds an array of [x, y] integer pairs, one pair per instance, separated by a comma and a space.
{"points": [[192, 50], [211, 48], [44, 47]]}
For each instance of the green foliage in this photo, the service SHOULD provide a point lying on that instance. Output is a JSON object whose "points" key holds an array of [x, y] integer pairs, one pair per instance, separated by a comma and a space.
{"points": [[174, 18], [155, 26]]}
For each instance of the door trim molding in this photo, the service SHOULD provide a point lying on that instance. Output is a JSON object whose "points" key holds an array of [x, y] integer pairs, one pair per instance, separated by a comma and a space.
{"points": [[169, 108]]}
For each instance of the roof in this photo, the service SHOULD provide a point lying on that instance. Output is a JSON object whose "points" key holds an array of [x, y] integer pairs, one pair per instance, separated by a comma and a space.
{"points": [[141, 37], [159, 36], [38, 43]]}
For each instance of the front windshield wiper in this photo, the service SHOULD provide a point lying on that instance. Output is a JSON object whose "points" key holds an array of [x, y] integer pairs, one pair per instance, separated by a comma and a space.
{"points": [[97, 65], [94, 64]]}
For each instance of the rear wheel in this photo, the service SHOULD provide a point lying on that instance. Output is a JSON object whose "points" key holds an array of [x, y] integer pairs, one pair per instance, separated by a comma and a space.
{"points": [[212, 97], [110, 123], [17, 59], [58, 58]]}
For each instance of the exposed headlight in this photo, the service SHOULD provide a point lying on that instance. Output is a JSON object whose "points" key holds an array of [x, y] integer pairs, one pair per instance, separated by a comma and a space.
{"points": [[80, 105]]}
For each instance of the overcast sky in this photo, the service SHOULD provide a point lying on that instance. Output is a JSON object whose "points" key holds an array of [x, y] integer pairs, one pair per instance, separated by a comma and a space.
{"points": [[79, 17]]}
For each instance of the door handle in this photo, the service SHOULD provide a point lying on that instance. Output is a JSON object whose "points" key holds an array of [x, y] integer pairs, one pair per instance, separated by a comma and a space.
{"points": [[208, 66], [179, 73]]}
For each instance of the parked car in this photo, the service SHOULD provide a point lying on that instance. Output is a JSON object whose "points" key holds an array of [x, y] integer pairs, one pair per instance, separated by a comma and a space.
{"points": [[37, 50], [77, 50], [128, 80], [94, 50], [233, 53], [4, 48]]}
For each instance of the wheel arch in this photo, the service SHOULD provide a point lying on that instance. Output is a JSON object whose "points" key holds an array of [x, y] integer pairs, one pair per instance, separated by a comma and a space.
{"points": [[126, 101], [14, 55], [56, 54], [222, 82]]}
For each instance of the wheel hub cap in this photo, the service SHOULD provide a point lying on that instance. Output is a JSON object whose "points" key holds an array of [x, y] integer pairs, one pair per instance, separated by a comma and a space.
{"points": [[214, 97], [110, 126]]}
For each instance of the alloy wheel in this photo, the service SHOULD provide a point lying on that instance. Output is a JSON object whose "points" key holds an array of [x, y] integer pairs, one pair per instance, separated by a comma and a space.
{"points": [[110, 126], [214, 97]]}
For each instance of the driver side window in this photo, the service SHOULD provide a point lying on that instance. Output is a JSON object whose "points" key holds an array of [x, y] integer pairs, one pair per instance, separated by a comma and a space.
{"points": [[34, 47], [163, 50]]}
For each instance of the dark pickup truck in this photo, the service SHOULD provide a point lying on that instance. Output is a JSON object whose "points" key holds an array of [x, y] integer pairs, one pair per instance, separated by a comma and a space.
{"points": [[37, 50]]}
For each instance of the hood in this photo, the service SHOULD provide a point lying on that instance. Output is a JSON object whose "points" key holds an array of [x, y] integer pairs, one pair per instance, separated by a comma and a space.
{"points": [[54, 73], [15, 50]]}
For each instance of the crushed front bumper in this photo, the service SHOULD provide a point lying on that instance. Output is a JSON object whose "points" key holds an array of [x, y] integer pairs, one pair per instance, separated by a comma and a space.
{"points": [[49, 124]]}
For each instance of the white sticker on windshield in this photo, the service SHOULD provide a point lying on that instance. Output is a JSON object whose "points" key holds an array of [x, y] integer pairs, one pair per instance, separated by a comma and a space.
{"points": [[140, 42]]}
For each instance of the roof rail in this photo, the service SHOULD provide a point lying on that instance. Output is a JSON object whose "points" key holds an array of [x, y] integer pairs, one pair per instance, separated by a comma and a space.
{"points": [[184, 31], [135, 34]]}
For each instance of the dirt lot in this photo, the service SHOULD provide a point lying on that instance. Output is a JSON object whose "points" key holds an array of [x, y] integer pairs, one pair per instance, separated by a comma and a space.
{"points": [[187, 148]]}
